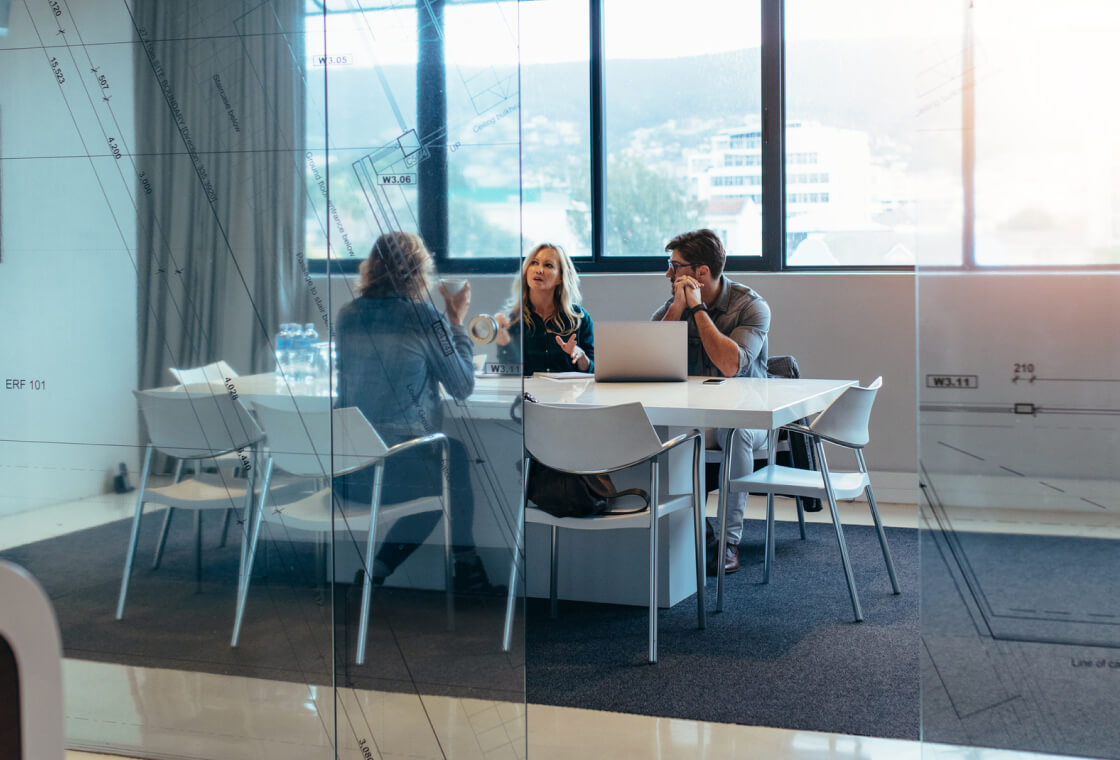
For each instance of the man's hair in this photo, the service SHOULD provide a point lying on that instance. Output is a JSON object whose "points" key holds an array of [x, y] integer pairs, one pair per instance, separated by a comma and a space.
{"points": [[700, 248]]}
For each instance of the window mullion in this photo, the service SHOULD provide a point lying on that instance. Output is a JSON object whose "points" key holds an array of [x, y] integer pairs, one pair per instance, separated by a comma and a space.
{"points": [[598, 135], [773, 135]]}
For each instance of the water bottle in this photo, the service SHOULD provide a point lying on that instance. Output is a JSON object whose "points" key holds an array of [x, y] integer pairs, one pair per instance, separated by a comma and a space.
{"points": [[283, 355], [297, 361], [310, 360]]}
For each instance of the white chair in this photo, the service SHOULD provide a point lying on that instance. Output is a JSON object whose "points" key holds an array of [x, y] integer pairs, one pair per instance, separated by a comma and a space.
{"points": [[601, 440], [194, 427], [843, 423], [29, 629], [216, 373], [776, 366], [315, 443]]}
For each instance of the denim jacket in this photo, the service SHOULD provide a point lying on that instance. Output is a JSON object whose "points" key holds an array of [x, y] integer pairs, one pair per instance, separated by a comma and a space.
{"points": [[393, 354]]}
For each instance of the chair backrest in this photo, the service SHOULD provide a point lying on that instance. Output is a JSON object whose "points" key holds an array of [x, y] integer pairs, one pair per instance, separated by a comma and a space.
{"points": [[197, 426], [31, 725], [216, 372], [845, 420], [589, 439], [300, 436], [783, 366]]}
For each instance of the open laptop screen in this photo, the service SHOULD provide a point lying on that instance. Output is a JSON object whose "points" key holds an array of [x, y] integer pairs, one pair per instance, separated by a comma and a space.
{"points": [[641, 351]]}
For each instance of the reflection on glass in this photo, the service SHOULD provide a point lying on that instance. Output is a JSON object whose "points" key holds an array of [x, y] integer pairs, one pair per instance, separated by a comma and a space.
{"points": [[482, 130], [852, 170], [683, 92], [360, 80], [179, 166], [395, 352], [1047, 179], [1017, 425]]}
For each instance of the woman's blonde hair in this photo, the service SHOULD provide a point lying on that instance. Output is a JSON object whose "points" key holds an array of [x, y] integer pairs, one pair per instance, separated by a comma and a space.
{"points": [[398, 264], [565, 296]]}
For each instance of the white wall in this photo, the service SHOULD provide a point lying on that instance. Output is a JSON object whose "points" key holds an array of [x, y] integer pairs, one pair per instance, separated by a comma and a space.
{"points": [[67, 282], [1048, 443]]}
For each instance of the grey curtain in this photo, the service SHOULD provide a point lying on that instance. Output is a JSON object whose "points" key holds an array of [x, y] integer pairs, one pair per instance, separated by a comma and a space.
{"points": [[220, 133]]}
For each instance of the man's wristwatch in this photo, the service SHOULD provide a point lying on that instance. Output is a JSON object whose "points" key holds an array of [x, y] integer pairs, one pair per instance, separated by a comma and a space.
{"points": [[691, 311]]}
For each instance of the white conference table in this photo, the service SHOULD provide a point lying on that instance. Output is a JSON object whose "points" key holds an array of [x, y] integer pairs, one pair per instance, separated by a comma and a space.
{"points": [[740, 402], [589, 557]]}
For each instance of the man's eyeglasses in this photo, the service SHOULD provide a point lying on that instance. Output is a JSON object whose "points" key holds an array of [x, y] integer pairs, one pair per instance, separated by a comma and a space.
{"points": [[677, 265]]}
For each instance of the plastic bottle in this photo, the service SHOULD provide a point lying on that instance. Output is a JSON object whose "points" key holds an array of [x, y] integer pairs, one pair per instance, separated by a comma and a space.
{"points": [[310, 338], [283, 354], [297, 363]]}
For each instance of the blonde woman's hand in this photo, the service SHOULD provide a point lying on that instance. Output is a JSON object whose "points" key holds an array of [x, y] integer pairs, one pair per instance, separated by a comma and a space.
{"points": [[457, 304], [503, 337], [577, 354]]}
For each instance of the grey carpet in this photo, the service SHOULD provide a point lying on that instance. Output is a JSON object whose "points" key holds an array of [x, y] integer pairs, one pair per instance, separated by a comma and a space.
{"points": [[1018, 642], [785, 654], [290, 620]]}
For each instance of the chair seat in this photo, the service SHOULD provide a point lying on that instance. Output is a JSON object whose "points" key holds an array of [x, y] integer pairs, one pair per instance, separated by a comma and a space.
{"points": [[790, 481], [205, 491], [672, 503], [314, 512]]}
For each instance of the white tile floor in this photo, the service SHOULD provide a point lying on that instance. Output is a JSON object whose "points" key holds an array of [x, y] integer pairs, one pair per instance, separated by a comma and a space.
{"points": [[136, 712], [154, 713]]}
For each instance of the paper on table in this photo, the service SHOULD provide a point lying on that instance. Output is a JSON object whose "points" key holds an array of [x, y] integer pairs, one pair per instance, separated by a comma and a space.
{"points": [[563, 375]]}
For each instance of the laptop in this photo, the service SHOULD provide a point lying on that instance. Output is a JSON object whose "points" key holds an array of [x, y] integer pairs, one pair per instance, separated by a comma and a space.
{"points": [[641, 351]]}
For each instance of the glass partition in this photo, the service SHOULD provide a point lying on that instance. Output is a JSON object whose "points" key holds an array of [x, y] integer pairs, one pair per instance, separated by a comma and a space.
{"points": [[275, 512], [1018, 387]]}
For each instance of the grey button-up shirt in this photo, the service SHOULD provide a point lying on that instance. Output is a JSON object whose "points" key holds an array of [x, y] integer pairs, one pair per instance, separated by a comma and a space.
{"points": [[742, 315]]}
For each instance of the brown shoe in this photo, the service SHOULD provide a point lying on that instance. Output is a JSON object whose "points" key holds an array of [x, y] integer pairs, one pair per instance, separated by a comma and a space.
{"points": [[730, 559]]}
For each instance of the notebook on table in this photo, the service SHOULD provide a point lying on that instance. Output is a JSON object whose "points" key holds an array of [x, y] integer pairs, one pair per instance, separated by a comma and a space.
{"points": [[641, 351]]}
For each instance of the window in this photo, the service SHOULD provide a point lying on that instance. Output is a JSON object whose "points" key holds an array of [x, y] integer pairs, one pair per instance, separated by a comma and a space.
{"points": [[610, 127], [366, 81], [360, 67], [683, 95], [556, 124], [858, 139], [1046, 180]]}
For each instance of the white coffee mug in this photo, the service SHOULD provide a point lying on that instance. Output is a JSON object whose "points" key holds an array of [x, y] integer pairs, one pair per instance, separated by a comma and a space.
{"points": [[453, 286]]}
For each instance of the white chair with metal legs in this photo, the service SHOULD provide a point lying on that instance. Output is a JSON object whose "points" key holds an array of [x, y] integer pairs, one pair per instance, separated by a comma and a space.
{"points": [[602, 440], [215, 373], [785, 366], [194, 427], [715, 456], [843, 423], [300, 444]]}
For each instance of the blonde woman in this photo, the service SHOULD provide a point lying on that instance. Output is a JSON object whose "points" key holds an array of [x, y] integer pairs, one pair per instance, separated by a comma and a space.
{"points": [[544, 317], [395, 349]]}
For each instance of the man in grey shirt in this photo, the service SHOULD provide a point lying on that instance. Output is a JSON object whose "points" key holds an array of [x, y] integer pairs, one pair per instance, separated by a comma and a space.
{"points": [[727, 328]]}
